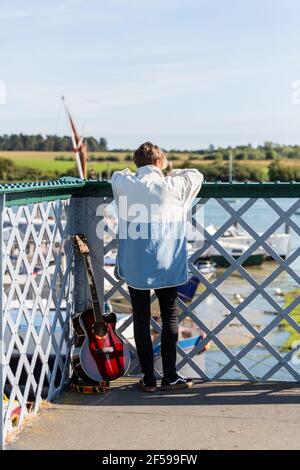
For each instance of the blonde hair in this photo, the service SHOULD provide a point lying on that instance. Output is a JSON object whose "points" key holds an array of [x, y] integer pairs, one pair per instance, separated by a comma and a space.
{"points": [[149, 154]]}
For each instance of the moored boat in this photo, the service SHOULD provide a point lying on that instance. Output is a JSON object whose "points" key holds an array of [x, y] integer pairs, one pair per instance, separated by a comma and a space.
{"points": [[236, 242]]}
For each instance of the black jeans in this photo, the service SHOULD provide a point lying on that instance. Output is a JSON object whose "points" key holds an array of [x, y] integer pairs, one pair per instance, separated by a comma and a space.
{"points": [[140, 300]]}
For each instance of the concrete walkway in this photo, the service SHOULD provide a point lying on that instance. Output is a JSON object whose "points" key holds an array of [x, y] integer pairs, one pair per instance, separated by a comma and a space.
{"points": [[223, 415]]}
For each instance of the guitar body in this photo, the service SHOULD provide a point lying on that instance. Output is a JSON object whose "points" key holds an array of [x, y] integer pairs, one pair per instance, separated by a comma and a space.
{"points": [[82, 361], [102, 358], [100, 354]]}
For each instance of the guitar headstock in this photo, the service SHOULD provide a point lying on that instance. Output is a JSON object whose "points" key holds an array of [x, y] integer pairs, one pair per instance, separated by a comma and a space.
{"points": [[81, 244]]}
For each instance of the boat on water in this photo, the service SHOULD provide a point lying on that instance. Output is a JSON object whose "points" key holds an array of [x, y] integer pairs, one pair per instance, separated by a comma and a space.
{"points": [[23, 274], [231, 201], [37, 223], [187, 291], [189, 336], [236, 250], [236, 242], [280, 242], [230, 179], [207, 268]]}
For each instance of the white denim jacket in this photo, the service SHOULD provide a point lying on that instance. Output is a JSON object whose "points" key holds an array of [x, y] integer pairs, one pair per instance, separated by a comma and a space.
{"points": [[152, 213]]}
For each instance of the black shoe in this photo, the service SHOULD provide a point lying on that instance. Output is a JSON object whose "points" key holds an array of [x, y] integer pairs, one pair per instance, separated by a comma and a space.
{"points": [[147, 385], [177, 383]]}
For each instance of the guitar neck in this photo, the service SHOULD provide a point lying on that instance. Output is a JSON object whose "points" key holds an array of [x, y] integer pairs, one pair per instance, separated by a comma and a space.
{"points": [[91, 280]]}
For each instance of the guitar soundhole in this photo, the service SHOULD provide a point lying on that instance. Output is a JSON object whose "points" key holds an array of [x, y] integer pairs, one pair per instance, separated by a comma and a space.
{"points": [[100, 328]]}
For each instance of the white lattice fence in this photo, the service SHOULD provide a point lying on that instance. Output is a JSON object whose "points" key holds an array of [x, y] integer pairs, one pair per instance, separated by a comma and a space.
{"points": [[37, 303]]}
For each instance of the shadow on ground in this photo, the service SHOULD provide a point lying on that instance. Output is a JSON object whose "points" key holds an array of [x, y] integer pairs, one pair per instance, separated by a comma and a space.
{"points": [[126, 392]]}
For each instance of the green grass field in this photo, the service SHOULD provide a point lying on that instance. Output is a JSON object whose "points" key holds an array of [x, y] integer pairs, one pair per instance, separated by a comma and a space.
{"points": [[47, 161], [52, 165]]}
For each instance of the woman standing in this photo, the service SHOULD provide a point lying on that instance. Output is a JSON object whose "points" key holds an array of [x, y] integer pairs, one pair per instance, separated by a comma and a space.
{"points": [[152, 252]]}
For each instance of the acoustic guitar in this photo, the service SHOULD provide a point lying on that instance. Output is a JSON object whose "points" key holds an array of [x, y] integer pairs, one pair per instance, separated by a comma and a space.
{"points": [[100, 354]]}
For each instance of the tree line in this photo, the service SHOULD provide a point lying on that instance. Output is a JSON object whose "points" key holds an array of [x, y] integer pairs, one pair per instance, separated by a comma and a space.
{"points": [[272, 171], [48, 143], [55, 143], [267, 151]]}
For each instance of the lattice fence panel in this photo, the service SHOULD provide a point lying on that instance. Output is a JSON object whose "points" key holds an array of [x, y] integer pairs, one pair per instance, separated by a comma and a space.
{"points": [[38, 285], [235, 359]]}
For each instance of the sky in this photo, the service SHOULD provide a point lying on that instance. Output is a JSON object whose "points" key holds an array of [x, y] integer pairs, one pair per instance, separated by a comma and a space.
{"points": [[181, 73]]}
